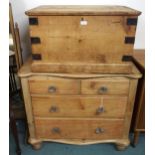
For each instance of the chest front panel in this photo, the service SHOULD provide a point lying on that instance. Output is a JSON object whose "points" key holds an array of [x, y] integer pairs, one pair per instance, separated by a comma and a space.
{"points": [[79, 39]]}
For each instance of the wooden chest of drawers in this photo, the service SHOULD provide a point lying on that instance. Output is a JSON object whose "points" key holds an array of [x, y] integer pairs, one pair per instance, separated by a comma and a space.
{"points": [[79, 87], [79, 108], [82, 39]]}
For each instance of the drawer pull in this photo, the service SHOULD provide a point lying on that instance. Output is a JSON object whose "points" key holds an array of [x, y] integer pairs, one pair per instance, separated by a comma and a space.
{"points": [[102, 90], [53, 109], [99, 130], [52, 89], [56, 130], [100, 110]]}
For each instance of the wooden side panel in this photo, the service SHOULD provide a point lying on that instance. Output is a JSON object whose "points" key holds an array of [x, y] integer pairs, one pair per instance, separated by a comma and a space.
{"points": [[99, 40], [115, 86], [41, 85], [28, 106], [78, 129], [130, 105], [79, 106]]}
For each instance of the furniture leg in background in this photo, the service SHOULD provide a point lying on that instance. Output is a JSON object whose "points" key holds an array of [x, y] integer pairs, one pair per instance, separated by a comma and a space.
{"points": [[139, 109], [14, 129]]}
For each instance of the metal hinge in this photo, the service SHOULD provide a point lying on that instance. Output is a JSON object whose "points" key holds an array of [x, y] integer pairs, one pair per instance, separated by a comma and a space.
{"points": [[36, 57], [35, 40], [33, 21], [129, 40], [132, 21], [127, 58]]}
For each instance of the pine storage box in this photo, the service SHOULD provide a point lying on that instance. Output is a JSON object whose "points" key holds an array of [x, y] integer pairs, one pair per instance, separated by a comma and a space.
{"points": [[82, 39]]}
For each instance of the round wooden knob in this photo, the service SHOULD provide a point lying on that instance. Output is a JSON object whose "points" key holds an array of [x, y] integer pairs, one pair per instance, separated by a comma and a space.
{"points": [[53, 109], [100, 110], [52, 89], [99, 130], [56, 130], [102, 90]]}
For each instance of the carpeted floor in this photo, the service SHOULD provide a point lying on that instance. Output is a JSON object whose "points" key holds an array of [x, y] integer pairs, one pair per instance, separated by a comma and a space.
{"points": [[63, 149]]}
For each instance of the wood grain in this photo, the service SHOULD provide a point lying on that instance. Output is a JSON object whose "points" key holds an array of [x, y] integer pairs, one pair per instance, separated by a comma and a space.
{"points": [[78, 129], [26, 71], [117, 127], [138, 118], [115, 86], [92, 91], [81, 68], [96, 46], [130, 105], [88, 46], [28, 107], [41, 85], [82, 9], [91, 43], [79, 106]]}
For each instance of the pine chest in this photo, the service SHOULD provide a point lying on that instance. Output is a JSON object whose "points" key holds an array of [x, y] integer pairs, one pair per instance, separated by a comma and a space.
{"points": [[79, 87], [82, 39]]}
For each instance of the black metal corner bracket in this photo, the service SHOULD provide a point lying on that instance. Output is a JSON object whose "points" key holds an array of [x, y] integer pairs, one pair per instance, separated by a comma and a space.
{"points": [[132, 21], [33, 21], [36, 57], [35, 40], [129, 40]]}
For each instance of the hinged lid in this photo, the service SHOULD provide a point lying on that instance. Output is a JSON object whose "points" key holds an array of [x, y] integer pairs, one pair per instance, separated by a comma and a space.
{"points": [[83, 10]]}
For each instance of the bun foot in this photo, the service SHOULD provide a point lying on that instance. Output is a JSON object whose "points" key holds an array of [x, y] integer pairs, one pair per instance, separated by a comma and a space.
{"points": [[36, 146], [122, 145], [36, 143]]}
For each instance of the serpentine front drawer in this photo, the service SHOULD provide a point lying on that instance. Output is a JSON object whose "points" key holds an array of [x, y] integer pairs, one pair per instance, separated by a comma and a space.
{"points": [[79, 106], [79, 128], [68, 86]]}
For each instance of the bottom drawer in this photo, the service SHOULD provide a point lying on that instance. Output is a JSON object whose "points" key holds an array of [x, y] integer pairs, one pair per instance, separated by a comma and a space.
{"points": [[78, 128]]}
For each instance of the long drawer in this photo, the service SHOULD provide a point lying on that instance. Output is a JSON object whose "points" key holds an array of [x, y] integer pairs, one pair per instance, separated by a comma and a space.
{"points": [[79, 106], [78, 128]]}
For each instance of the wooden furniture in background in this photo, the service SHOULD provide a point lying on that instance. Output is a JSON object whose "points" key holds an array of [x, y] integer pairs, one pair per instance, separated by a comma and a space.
{"points": [[80, 39], [14, 128], [14, 31], [139, 109], [15, 62]]}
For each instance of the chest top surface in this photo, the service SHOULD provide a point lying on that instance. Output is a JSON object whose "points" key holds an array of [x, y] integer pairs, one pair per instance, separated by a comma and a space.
{"points": [[83, 10]]}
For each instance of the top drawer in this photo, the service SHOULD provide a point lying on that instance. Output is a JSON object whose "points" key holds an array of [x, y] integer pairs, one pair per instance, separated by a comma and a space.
{"points": [[51, 85], [102, 86], [66, 86]]}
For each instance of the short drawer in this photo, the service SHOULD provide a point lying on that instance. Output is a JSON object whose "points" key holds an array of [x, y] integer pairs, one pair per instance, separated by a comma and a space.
{"points": [[79, 106], [110, 86], [78, 128], [51, 85]]}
